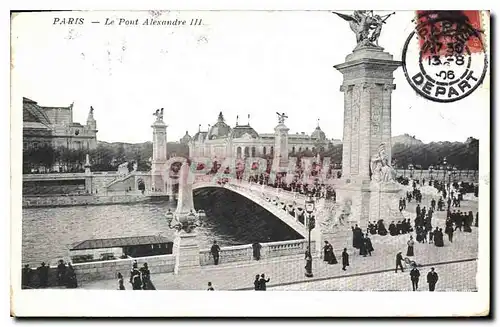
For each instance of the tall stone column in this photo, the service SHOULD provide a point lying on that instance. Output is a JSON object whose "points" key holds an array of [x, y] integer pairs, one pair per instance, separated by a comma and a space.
{"points": [[88, 175], [280, 158], [158, 169], [367, 86]]}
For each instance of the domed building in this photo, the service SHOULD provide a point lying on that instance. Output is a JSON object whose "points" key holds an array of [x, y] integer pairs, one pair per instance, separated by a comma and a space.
{"points": [[221, 141], [318, 135], [219, 130]]}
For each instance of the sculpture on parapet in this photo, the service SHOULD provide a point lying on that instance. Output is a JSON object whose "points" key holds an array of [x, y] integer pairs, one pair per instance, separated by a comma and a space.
{"points": [[159, 114], [185, 217], [281, 117], [382, 172], [366, 26]]}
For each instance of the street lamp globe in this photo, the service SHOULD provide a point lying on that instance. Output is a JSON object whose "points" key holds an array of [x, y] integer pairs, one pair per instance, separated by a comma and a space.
{"points": [[309, 205], [169, 215]]}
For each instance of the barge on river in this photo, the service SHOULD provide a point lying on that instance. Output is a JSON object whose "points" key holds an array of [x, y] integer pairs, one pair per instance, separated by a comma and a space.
{"points": [[120, 248]]}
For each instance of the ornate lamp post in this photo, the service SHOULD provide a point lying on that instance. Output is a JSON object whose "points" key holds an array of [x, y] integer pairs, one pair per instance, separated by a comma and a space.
{"points": [[309, 206], [444, 173], [430, 172]]}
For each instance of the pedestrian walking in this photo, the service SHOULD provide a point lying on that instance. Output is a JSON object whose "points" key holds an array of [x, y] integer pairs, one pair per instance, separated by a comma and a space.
{"points": [[432, 279], [345, 259], [146, 277], [399, 261], [135, 278], [411, 244], [414, 276], [369, 245], [215, 252], [121, 287]]}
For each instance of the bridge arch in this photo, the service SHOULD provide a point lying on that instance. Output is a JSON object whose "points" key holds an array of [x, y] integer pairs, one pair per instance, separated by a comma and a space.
{"points": [[279, 213]]}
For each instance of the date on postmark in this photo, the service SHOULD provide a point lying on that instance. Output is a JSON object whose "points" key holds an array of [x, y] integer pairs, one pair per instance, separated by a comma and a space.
{"points": [[444, 58]]}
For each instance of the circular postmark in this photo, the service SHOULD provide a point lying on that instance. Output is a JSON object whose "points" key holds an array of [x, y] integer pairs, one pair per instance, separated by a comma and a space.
{"points": [[444, 59]]}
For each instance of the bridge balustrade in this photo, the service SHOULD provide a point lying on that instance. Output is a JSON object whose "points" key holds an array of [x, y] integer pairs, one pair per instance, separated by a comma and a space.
{"points": [[244, 253]]}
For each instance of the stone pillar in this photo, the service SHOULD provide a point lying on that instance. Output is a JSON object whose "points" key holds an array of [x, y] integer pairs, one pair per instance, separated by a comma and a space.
{"points": [[367, 86], [280, 157], [186, 251], [159, 160], [88, 175]]}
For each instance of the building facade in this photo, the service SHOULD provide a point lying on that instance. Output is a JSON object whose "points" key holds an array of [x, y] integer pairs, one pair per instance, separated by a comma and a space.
{"points": [[54, 126], [241, 141]]}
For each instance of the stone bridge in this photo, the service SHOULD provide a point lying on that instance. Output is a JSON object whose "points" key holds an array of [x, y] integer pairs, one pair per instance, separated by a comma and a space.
{"points": [[286, 206]]}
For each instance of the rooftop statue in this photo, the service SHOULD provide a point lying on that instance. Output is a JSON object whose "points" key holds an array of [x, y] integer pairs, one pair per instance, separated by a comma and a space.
{"points": [[281, 117], [366, 26], [159, 114]]}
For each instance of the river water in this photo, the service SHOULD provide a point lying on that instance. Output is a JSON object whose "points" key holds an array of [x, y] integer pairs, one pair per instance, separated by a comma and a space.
{"points": [[48, 233]]}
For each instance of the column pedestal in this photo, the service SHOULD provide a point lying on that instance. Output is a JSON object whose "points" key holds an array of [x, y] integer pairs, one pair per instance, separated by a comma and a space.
{"points": [[186, 251], [367, 85]]}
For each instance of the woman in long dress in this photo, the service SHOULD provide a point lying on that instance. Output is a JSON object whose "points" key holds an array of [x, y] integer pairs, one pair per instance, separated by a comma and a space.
{"points": [[333, 259], [362, 247], [411, 243], [326, 252]]}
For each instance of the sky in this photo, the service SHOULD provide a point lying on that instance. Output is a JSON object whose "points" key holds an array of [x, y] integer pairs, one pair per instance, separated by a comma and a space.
{"points": [[242, 63]]}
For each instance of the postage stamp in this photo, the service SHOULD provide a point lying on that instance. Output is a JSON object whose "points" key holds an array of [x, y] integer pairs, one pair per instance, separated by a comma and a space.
{"points": [[183, 151], [445, 59]]}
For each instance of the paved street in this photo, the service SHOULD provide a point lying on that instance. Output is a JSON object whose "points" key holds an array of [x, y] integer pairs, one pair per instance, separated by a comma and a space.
{"points": [[452, 277], [291, 269]]}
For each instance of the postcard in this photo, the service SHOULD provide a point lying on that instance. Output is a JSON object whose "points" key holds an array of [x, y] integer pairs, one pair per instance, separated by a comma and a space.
{"points": [[323, 156]]}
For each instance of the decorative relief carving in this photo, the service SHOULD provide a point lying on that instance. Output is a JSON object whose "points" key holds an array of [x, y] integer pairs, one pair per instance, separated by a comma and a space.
{"points": [[376, 111], [355, 111]]}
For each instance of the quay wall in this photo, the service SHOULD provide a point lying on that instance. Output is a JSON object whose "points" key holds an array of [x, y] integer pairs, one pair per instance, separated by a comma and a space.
{"points": [[78, 200], [102, 270]]}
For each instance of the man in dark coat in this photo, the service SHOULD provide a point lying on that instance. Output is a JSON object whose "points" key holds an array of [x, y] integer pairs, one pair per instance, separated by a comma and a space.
{"points": [[432, 279], [256, 283], [399, 261], [71, 281], [135, 278], [256, 250], [438, 238], [362, 246], [369, 245], [414, 276], [146, 277], [392, 229], [356, 237], [43, 274], [345, 259], [61, 271], [26, 277], [262, 282], [215, 252]]}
